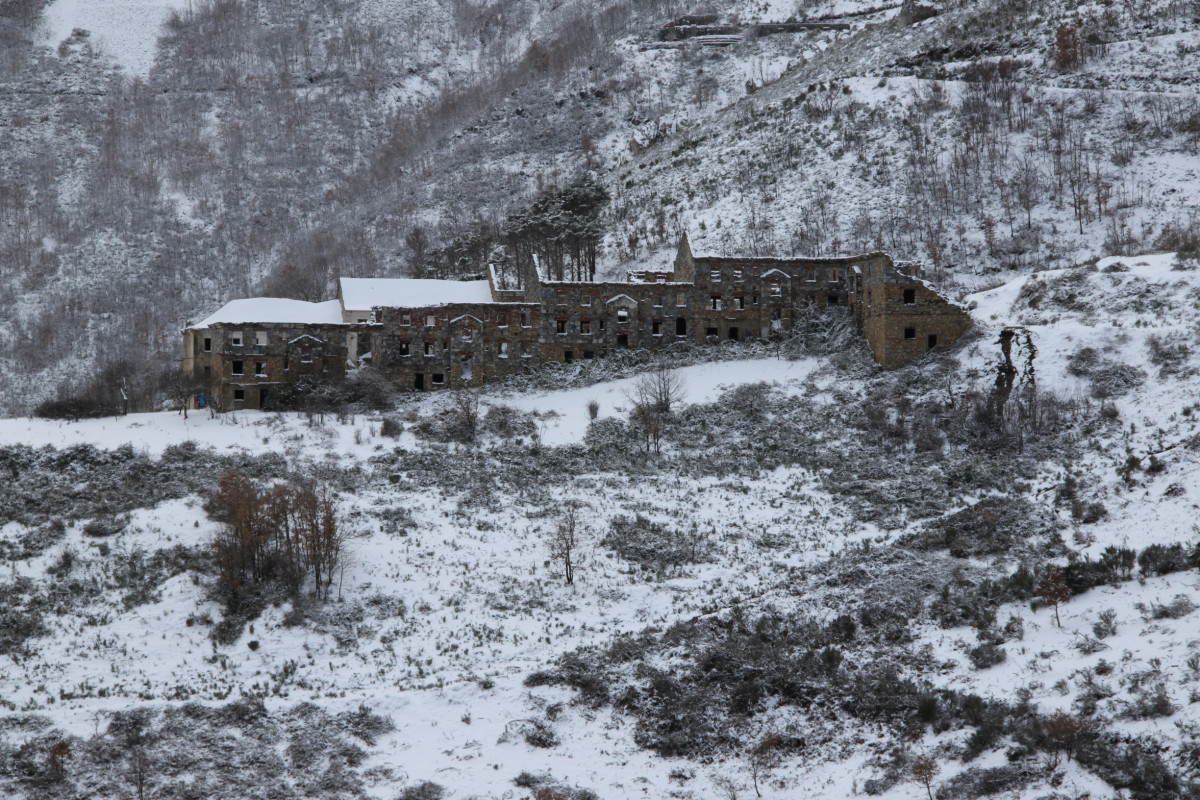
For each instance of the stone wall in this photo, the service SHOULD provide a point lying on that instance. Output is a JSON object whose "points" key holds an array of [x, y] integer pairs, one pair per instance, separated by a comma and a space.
{"points": [[901, 316], [457, 345], [239, 364], [703, 299]]}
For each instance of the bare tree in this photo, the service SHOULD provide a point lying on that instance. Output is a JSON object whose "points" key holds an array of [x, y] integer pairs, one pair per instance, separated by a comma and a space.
{"points": [[648, 420], [1063, 731], [728, 789], [924, 770], [465, 412], [1053, 590], [139, 771], [660, 389], [565, 542]]}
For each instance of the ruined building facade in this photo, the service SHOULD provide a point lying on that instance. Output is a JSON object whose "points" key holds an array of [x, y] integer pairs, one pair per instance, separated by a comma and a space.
{"points": [[426, 334]]}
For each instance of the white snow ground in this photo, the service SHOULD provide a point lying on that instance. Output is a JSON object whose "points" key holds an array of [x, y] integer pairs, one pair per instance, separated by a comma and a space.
{"points": [[126, 30]]}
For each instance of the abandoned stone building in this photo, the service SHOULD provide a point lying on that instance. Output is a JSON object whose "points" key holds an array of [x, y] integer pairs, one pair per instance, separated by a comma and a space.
{"points": [[430, 334]]}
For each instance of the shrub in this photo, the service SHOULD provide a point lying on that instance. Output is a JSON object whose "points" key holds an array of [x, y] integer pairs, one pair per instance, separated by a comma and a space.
{"points": [[654, 545], [391, 428], [1132, 764], [507, 422], [76, 408], [539, 734], [1159, 559], [1181, 606], [105, 526], [987, 781], [1150, 703], [987, 655], [425, 790], [1107, 624]]}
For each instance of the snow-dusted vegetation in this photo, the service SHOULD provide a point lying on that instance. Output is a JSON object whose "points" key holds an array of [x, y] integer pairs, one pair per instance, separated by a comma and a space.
{"points": [[828, 579]]}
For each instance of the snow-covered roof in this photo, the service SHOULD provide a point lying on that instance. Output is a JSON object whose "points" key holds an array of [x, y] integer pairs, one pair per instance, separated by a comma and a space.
{"points": [[363, 294], [275, 309]]}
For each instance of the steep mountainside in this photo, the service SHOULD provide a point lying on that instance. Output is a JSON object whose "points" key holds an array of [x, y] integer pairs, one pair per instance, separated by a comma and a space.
{"points": [[274, 146]]}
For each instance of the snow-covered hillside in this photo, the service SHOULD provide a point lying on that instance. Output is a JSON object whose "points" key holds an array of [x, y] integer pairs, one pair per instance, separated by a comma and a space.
{"points": [[826, 575], [277, 146]]}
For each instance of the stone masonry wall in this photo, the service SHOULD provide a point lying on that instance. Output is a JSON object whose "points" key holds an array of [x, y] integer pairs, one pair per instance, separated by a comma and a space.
{"points": [[239, 364], [903, 318], [703, 299]]}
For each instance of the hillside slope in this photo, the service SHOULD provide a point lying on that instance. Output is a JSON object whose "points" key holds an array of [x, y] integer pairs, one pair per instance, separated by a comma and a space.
{"points": [[276, 146], [828, 573]]}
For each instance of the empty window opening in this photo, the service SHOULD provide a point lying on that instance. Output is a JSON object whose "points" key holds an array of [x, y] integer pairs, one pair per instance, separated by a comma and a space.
{"points": [[585, 301], [710, 331], [260, 338], [525, 350], [932, 340], [622, 340], [658, 301], [560, 326], [714, 302], [208, 344], [235, 339], [406, 319], [439, 378], [588, 354], [833, 276], [404, 348], [585, 326], [429, 348], [502, 322], [466, 368], [568, 356], [239, 395], [680, 326], [260, 369], [504, 349], [524, 319], [833, 300], [419, 381], [622, 315], [262, 397], [910, 297], [656, 327], [733, 334], [776, 289], [754, 300], [739, 303], [600, 325], [430, 321], [237, 368], [910, 333]]}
